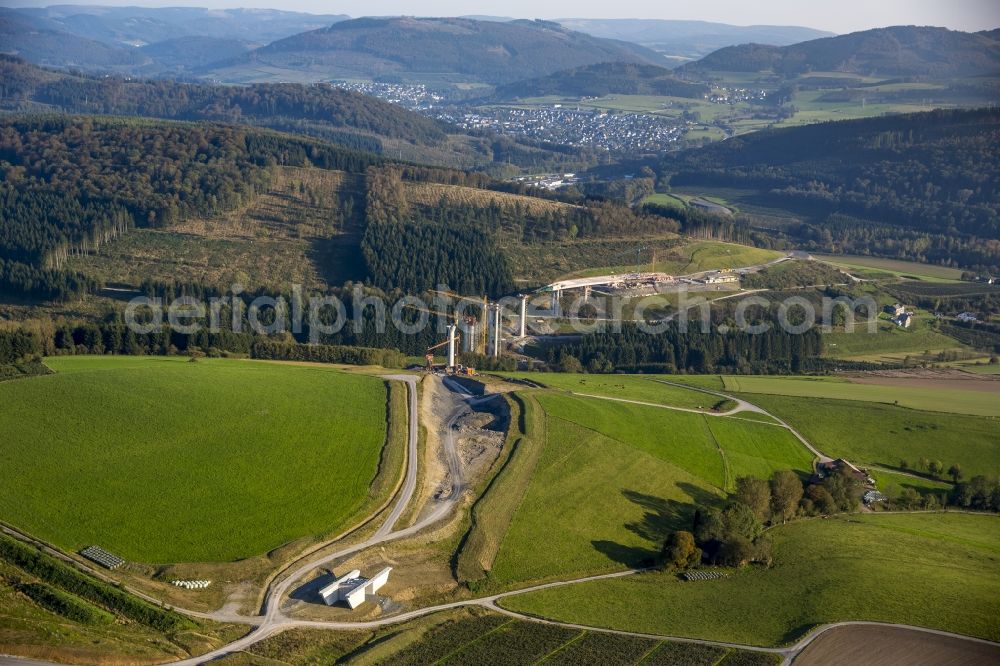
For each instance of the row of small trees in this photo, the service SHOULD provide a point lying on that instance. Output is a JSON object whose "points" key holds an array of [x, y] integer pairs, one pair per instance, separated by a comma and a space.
{"points": [[935, 468], [734, 535]]}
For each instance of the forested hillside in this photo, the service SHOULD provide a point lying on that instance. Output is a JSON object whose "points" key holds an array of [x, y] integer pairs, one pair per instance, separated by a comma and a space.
{"points": [[321, 110], [602, 79], [462, 237], [679, 349], [40, 41], [895, 51], [70, 184], [920, 186], [442, 48]]}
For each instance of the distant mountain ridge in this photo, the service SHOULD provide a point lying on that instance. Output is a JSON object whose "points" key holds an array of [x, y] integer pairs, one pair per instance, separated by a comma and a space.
{"points": [[138, 26], [608, 78], [143, 41], [464, 49], [41, 41], [691, 39], [894, 51]]}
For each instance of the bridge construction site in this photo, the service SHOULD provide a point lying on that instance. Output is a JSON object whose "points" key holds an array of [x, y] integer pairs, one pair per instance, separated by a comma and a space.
{"points": [[477, 324]]}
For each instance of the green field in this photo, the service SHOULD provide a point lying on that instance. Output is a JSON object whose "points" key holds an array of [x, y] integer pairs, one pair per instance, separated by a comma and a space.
{"points": [[627, 387], [932, 570], [757, 449], [894, 267], [889, 345], [612, 479], [884, 435], [161, 460], [892, 484], [979, 403], [665, 200]]}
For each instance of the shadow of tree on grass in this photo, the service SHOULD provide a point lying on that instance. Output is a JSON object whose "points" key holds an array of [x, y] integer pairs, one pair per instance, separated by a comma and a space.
{"points": [[660, 517]]}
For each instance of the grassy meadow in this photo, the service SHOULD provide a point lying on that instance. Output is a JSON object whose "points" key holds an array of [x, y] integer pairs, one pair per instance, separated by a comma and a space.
{"points": [[935, 570], [929, 398], [884, 435], [161, 460], [627, 387], [612, 479], [893, 267], [889, 342]]}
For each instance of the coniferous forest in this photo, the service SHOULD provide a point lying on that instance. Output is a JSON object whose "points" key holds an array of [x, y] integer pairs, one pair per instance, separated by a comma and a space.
{"points": [[924, 187]]}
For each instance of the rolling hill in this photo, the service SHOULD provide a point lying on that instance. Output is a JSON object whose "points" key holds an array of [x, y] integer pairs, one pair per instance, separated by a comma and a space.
{"points": [[690, 39], [894, 51], [430, 49], [602, 79], [193, 51], [137, 26], [144, 41], [322, 111], [42, 41], [919, 186]]}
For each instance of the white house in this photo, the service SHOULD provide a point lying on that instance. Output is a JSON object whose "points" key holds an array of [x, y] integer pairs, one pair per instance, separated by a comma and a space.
{"points": [[353, 589], [904, 320]]}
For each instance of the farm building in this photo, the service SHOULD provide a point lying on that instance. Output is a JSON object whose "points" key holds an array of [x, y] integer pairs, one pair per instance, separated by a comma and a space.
{"points": [[895, 310], [354, 589], [828, 467], [904, 320]]}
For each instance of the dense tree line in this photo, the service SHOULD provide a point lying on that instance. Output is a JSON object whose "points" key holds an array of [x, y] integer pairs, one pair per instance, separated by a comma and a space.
{"points": [[460, 243], [980, 493], [320, 110], [42, 283], [729, 229], [675, 350], [17, 345], [418, 255], [922, 186], [68, 185], [290, 351]]}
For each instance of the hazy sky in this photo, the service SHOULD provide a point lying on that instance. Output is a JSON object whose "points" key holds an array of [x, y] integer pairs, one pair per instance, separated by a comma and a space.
{"points": [[839, 16]]}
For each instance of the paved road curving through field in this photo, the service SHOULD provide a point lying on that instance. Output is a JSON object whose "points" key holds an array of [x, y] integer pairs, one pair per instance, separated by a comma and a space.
{"points": [[273, 621]]}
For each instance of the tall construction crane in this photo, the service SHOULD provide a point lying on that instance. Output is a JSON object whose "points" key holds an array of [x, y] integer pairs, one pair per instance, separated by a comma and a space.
{"points": [[475, 342], [451, 341]]}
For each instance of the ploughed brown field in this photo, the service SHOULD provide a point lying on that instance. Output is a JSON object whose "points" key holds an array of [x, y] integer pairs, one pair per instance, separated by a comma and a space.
{"points": [[894, 646]]}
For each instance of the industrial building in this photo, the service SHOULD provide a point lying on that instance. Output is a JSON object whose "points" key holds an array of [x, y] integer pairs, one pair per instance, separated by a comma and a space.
{"points": [[353, 589]]}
